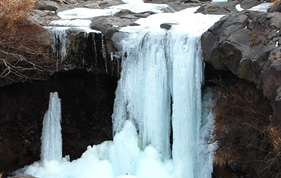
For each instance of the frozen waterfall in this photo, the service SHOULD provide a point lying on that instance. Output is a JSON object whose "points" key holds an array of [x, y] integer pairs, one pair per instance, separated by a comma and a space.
{"points": [[158, 126], [51, 148], [160, 87]]}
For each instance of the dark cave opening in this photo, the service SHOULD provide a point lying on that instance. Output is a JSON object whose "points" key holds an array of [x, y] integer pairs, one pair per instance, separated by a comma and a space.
{"points": [[87, 105]]}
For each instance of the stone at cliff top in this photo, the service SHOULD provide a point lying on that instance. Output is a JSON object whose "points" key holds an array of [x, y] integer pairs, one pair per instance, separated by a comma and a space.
{"points": [[248, 44], [109, 25], [218, 8], [247, 4], [46, 10]]}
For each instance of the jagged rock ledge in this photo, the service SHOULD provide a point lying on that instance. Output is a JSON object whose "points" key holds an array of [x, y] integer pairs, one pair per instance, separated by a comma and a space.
{"points": [[78, 48], [247, 43]]}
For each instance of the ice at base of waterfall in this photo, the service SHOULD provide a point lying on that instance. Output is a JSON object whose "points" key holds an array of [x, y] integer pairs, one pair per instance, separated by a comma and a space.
{"points": [[160, 67]]}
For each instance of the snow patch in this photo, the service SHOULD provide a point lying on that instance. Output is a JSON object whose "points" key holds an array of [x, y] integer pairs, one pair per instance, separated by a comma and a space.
{"points": [[262, 7]]}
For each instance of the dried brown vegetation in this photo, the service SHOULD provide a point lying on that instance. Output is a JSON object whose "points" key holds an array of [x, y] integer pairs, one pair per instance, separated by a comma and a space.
{"points": [[276, 3], [247, 139], [254, 39], [23, 49]]}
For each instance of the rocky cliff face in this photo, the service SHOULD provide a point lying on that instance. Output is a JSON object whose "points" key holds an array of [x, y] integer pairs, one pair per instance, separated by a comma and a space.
{"points": [[248, 44], [76, 48]]}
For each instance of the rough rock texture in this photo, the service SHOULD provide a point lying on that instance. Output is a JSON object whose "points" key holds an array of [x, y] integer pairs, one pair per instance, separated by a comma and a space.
{"points": [[247, 4], [218, 8], [248, 44], [72, 48], [75, 48], [111, 24]]}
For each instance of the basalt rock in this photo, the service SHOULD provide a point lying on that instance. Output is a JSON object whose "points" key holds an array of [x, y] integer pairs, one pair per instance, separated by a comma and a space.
{"points": [[218, 8], [247, 4], [76, 48], [111, 24], [248, 44]]}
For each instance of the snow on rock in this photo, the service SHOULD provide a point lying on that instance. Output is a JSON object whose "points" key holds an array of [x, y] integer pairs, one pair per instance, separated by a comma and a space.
{"points": [[239, 8], [262, 7]]}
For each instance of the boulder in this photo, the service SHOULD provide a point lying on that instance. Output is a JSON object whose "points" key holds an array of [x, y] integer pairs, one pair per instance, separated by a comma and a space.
{"points": [[111, 24], [47, 5], [166, 26], [247, 4], [248, 45], [218, 8]]}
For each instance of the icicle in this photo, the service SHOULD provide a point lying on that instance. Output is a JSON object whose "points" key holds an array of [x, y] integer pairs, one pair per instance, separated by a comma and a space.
{"points": [[104, 54], [186, 102], [51, 148], [60, 43]]}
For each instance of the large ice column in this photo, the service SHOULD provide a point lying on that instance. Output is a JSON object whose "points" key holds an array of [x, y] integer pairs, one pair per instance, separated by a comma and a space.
{"points": [[51, 148], [159, 66], [143, 93], [186, 93]]}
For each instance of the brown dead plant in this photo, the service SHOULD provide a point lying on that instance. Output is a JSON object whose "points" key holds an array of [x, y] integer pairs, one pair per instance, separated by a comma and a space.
{"points": [[276, 3], [244, 131], [24, 54]]}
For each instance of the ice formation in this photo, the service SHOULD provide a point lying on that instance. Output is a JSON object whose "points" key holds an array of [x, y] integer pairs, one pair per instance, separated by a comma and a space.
{"points": [[51, 139], [159, 93]]}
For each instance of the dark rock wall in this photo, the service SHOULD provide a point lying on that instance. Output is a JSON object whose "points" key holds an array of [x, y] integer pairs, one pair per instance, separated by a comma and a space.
{"points": [[248, 45], [85, 77], [87, 103], [83, 50]]}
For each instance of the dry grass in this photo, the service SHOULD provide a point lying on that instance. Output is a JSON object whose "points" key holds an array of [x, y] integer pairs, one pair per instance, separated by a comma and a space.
{"points": [[14, 11], [276, 3], [17, 31], [22, 42], [244, 131]]}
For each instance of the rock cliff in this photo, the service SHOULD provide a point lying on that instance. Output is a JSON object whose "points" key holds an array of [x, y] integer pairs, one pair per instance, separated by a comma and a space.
{"points": [[247, 43]]}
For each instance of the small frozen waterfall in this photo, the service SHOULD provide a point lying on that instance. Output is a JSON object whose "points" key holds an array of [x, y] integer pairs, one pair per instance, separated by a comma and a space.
{"points": [[51, 148]]}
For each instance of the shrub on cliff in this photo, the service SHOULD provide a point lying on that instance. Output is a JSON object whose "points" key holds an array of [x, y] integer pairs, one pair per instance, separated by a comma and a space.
{"points": [[22, 42], [247, 139]]}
